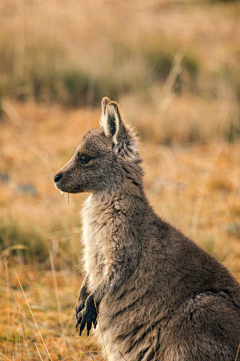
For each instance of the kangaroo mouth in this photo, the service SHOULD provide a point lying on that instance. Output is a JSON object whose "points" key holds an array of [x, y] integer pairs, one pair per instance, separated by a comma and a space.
{"points": [[63, 190], [72, 191]]}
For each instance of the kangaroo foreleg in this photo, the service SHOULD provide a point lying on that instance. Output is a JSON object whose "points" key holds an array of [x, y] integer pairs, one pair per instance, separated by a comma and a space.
{"points": [[83, 294]]}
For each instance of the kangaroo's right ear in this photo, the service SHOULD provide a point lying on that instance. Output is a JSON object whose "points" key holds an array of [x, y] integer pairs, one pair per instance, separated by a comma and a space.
{"points": [[111, 121], [104, 104], [125, 142]]}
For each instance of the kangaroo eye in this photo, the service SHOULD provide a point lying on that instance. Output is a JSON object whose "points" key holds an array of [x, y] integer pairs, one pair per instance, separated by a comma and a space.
{"points": [[84, 159]]}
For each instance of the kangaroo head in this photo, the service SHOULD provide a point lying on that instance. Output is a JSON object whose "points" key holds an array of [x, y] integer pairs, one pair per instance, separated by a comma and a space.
{"points": [[106, 157]]}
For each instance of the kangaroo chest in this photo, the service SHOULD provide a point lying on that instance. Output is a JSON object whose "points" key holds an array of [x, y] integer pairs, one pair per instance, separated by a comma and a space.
{"points": [[95, 237]]}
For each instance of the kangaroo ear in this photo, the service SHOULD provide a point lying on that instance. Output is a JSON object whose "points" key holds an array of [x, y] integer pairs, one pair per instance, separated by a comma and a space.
{"points": [[111, 121], [104, 104], [125, 142]]}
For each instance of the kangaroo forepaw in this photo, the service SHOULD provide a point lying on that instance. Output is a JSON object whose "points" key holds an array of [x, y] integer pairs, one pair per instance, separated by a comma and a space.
{"points": [[88, 316], [79, 307]]}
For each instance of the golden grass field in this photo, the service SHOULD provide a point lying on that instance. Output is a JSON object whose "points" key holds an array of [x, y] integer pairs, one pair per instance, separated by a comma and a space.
{"points": [[188, 119]]}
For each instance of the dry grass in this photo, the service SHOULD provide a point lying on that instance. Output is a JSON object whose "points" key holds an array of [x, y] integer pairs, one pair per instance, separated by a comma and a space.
{"points": [[178, 58], [39, 327], [174, 68]]}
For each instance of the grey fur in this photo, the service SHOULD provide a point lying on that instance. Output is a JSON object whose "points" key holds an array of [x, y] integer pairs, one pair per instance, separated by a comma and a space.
{"points": [[159, 296]]}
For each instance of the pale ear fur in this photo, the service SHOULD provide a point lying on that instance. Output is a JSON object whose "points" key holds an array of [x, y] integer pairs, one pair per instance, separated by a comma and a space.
{"points": [[103, 120], [123, 137], [111, 120]]}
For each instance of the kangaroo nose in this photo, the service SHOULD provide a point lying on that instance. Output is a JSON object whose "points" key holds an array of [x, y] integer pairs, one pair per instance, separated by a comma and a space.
{"points": [[57, 177]]}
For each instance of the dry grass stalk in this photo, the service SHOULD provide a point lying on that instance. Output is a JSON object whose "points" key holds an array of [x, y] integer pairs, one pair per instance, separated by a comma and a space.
{"points": [[9, 325], [19, 335], [168, 94], [38, 351], [198, 205], [39, 332], [237, 352], [56, 290]]}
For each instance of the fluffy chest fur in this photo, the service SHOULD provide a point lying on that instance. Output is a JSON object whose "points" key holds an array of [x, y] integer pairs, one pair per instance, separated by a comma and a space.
{"points": [[100, 224]]}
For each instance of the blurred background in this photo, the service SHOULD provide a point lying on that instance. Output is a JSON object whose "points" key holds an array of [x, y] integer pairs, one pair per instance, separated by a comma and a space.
{"points": [[174, 68]]}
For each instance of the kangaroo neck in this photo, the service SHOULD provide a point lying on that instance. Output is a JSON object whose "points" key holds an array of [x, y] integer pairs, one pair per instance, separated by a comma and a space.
{"points": [[123, 191]]}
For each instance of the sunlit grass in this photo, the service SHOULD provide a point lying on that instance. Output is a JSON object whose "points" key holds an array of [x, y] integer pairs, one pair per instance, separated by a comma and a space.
{"points": [[178, 85], [38, 319], [92, 54]]}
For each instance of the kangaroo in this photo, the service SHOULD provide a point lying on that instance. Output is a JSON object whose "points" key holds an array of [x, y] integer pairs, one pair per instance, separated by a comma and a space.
{"points": [[150, 292]]}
